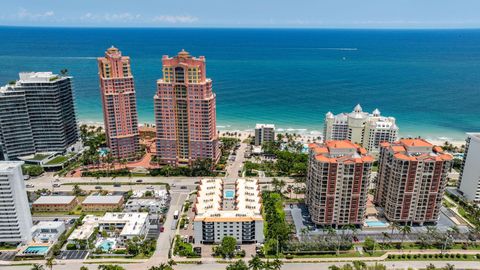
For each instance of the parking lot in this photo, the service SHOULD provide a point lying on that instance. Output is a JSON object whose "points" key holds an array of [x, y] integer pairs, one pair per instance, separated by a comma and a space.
{"points": [[7, 255], [72, 255]]}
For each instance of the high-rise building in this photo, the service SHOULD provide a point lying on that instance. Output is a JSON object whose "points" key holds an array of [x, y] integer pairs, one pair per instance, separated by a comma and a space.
{"points": [[264, 133], [337, 183], [360, 127], [469, 183], [185, 112], [411, 181], [16, 219], [119, 104], [37, 114]]}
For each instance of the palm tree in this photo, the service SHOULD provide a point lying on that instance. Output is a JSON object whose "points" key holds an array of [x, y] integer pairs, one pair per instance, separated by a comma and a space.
{"points": [[385, 236], [448, 267], [276, 264], [405, 230], [238, 265], [394, 226], [255, 263], [37, 266], [50, 261]]}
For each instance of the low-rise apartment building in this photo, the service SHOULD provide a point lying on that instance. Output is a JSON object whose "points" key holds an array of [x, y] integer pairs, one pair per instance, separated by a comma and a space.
{"points": [[55, 204], [98, 203]]}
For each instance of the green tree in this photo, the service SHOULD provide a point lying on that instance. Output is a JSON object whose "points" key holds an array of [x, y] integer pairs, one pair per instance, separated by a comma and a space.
{"points": [[77, 191], [369, 245], [405, 230], [255, 263], [50, 261], [238, 265], [430, 267], [227, 246], [110, 267], [83, 268], [276, 264], [37, 266], [449, 267], [359, 265], [162, 266]]}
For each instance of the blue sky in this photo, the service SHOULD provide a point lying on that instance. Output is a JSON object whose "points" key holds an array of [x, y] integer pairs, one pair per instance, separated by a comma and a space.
{"points": [[243, 13]]}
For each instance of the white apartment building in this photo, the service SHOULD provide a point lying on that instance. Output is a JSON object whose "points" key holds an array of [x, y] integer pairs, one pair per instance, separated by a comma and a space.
{"points": [[151, 206], [47, 231], [360, 127], [264, 133], [469, 184], [128, 224], [228, 208], [15, 216]]}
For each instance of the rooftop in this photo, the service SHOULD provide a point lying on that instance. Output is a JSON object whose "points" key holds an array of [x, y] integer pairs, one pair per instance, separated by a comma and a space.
{"points": [[474, 135], [245, 197], [265, 126], [98, 199], [7, 166], [340, 151], [54, 200], [134, 222], [34, 77], [416, 149]]}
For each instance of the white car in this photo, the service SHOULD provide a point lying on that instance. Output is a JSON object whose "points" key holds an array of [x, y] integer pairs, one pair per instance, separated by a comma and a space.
{"points": [[30, 186]]}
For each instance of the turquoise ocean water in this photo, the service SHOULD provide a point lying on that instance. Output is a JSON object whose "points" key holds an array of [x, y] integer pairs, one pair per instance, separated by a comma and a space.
{"points": [[428, 79]]}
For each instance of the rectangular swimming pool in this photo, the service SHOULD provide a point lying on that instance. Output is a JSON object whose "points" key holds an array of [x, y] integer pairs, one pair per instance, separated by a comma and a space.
{"points": [[229, 194], [37, 250], [376, 223]]}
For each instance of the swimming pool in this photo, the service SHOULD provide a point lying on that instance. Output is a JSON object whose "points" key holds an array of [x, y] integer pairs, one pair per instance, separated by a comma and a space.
{"points": [[36, 250], [376, 223], [229, 194], [106, 245]]}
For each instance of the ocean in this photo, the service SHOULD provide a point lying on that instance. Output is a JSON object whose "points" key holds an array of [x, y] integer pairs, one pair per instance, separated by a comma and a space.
{"points": [[428, 79]]}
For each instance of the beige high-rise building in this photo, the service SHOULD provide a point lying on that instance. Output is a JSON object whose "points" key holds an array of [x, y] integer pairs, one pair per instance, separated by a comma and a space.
{"points": [[361, 127], [337, 183], [412, 177]]}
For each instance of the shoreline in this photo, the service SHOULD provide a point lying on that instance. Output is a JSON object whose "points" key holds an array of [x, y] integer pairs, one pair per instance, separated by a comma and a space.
{"points": [[305, 133]]}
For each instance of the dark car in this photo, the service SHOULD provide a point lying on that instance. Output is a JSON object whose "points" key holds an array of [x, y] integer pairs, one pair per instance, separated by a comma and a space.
{"points": [[139, 181], [183, 187], [117, 185], [98, 187]]}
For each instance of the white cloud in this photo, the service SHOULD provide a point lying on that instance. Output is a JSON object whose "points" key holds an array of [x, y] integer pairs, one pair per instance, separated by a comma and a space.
{"points": [[24, 14], [175, 19], [111, 17]]}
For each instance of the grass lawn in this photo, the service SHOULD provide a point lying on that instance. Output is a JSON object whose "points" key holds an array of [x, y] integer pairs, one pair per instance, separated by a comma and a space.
{"points": [[39, 157], [112, 183], [57, 160], [421, 257]]}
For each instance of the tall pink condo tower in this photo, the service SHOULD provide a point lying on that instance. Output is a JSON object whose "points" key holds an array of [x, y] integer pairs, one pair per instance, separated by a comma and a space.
{"points": [[119, 103], [185, 112]]}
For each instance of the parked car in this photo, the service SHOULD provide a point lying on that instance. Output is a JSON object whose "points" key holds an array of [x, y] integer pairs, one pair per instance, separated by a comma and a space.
{"points": [[30, 186], [56, 185], [150, 187], [183, 187], [98, 187], [162, 229], [117, 185], [139, 181]]}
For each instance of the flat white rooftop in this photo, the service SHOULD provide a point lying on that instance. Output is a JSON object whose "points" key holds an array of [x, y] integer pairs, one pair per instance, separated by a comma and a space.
{"points": [[37, 77], [98, 199], [54, 200], [265, 126], [245, 197], [134, 222], [7, 166]]}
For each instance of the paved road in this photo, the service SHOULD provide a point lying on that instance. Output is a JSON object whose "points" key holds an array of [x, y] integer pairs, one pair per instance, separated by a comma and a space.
{"points": [[235, 166]]}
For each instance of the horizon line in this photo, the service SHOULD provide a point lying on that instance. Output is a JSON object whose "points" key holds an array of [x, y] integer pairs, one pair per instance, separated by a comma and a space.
{"points": [[241, 27]]}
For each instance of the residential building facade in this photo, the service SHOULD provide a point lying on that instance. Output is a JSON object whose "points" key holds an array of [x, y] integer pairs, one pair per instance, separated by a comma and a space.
{"points": [[37, 114], [95, 203], [185, 112], [411, 181], [337, 183], [15, 216], [469, 183], [55, 204], [264, 133], [228, 208], [360, 127], [119, 104]]}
